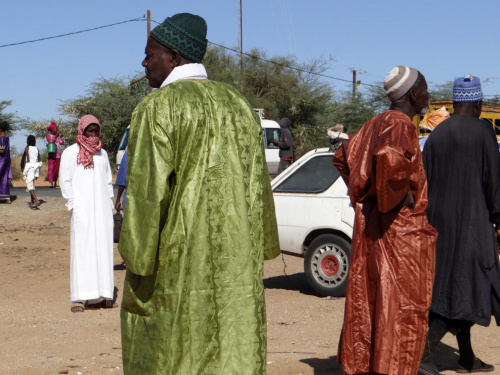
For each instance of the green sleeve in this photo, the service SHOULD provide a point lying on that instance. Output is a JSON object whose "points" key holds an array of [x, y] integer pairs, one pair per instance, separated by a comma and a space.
{"points": [[149, 166]]}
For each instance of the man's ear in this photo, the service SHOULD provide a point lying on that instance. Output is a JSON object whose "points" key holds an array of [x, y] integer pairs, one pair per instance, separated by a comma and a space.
{"points": [[412, 96], [175, 58], [479, 107]]}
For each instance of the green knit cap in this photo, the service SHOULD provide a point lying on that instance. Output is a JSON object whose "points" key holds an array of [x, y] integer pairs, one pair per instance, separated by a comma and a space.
{"points": [[184, 32]]}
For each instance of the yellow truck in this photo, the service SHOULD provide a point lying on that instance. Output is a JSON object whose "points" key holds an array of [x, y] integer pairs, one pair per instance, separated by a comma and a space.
{"points": [[490, 113]]}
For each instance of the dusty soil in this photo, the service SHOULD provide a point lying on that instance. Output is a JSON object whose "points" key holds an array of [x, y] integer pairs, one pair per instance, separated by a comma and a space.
{"points": [[40, 335]]}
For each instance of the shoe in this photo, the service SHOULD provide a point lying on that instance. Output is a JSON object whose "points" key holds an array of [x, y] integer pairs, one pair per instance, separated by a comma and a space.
{"points": [[428, 367], [479, 366]]}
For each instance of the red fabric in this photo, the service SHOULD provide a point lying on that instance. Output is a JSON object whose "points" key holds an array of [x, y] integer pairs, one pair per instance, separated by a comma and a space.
{"points": [[392, 251], [53, 172], [88, 145], [52, 126]]}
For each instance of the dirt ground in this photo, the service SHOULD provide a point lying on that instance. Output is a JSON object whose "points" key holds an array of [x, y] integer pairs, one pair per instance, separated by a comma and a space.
{"points": [[40, 335]]}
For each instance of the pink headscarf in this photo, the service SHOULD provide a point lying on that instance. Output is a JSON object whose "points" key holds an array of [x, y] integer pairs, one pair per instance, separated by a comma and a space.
{"points": [[88, 145], [52, 126]]}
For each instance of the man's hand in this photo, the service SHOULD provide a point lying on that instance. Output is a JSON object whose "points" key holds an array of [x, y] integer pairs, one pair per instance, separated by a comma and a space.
{"points": [[275, 141], [118, 205]]}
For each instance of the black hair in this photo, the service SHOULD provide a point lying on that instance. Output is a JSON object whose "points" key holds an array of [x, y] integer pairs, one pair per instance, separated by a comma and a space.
{"points": [[465, 104], [31, 141], [4, 126]]}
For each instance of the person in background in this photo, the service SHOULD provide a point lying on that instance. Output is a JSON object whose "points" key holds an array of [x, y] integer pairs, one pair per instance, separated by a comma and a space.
{"points": [[285, 144], [5, 171], [86, 185], [54, 158], [392, 251], [121, 181], [337, 135], [199, 220], [463, 170], [31, 170]]}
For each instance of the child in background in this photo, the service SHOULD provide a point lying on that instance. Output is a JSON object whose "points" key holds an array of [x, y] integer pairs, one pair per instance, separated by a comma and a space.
{"points": [[31, 170]]}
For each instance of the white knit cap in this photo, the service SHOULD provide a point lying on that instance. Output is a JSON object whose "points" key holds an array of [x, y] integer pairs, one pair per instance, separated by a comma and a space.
{"points": [[399, 81]]}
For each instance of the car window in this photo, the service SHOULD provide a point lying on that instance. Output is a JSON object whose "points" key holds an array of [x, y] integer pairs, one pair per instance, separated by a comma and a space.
{"points": [[315, 176], [270, 134], [124, 141]]}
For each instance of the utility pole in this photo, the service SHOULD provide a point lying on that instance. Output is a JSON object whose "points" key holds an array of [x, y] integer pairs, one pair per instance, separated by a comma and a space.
{"points": [[241, 35], [149, 31], [353, 83]]}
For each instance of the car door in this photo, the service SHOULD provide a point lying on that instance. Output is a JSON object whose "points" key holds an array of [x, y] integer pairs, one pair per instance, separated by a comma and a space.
{"points": [[271, 150], [312, 196]]}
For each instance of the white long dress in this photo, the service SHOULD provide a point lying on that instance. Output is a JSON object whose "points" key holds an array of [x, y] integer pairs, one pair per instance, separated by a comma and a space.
{"points": [[89, 197]]}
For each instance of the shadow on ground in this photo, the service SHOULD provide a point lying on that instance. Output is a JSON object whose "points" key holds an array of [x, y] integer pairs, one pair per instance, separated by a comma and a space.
{"points": [[324, 366], [446, 359], [120, 267], [296, 281]]}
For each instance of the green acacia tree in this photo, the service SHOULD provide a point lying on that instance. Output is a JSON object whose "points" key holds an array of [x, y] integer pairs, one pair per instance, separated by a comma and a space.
{"points": [[8, 117], [282, 87], [112, 101]]}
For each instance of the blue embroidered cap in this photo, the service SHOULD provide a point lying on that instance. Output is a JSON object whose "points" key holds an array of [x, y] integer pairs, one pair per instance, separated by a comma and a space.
{"points": [[467, 89]]}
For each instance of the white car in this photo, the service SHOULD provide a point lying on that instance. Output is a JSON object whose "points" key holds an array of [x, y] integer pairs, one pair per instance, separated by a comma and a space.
{"points": [[122, 147], [315, 220]]}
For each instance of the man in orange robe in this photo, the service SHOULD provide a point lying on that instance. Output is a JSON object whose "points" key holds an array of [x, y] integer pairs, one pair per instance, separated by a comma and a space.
{"points": [[392, 252]]}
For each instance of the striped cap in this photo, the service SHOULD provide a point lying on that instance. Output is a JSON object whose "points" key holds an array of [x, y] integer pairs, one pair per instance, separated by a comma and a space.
{"points": [[399, 81]]}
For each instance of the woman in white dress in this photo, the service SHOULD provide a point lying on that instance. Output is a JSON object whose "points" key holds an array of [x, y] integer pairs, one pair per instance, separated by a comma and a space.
{"points": [[85, 180], [31, 169]]}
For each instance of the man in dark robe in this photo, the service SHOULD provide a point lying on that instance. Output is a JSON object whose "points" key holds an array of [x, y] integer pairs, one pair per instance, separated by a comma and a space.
{"points": [[392, 251], [462, 167], [285, 144]]}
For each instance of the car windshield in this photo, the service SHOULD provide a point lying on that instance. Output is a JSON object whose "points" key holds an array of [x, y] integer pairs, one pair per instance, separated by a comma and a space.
{"points": [[315, 176]]}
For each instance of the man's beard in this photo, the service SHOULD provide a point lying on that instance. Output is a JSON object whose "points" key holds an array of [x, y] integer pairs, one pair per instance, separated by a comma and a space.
{"points": [[423, 112]]}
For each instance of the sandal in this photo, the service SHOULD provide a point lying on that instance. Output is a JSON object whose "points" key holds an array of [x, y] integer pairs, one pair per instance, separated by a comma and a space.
{"points": [[77, 307], [108, 304], [478, 366]]}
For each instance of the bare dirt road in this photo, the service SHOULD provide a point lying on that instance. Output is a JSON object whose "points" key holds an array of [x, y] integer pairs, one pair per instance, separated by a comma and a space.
{"points": [[40, 336]]}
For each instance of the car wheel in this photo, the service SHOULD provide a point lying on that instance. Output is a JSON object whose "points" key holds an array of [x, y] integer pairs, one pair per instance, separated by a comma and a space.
{"points": [[326, 265]]}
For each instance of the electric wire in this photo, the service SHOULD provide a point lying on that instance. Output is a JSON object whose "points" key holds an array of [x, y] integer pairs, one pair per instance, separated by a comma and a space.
{"points": [[284, 65], [73, 33], [215, 44]]}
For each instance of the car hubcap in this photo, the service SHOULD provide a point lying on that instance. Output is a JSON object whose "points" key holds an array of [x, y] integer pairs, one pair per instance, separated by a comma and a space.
{"points": [[330, 264]]}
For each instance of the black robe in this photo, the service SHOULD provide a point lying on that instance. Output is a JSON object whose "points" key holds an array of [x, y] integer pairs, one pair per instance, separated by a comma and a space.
{"points": [[461, 160]]}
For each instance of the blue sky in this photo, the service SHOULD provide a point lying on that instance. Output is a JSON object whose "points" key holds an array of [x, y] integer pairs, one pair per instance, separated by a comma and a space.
{"points": [[443, 39]]}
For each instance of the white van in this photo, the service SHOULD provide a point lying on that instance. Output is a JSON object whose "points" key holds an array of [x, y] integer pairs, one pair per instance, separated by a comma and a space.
{"points": [[270, 132]]}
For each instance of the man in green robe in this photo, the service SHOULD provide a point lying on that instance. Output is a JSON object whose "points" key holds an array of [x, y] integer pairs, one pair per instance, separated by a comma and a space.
{"points": [[199, 220]]}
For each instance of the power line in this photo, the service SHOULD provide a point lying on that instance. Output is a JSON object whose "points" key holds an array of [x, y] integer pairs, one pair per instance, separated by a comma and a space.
{"points": [[284, 65], [76, 32], [215, 44]]}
